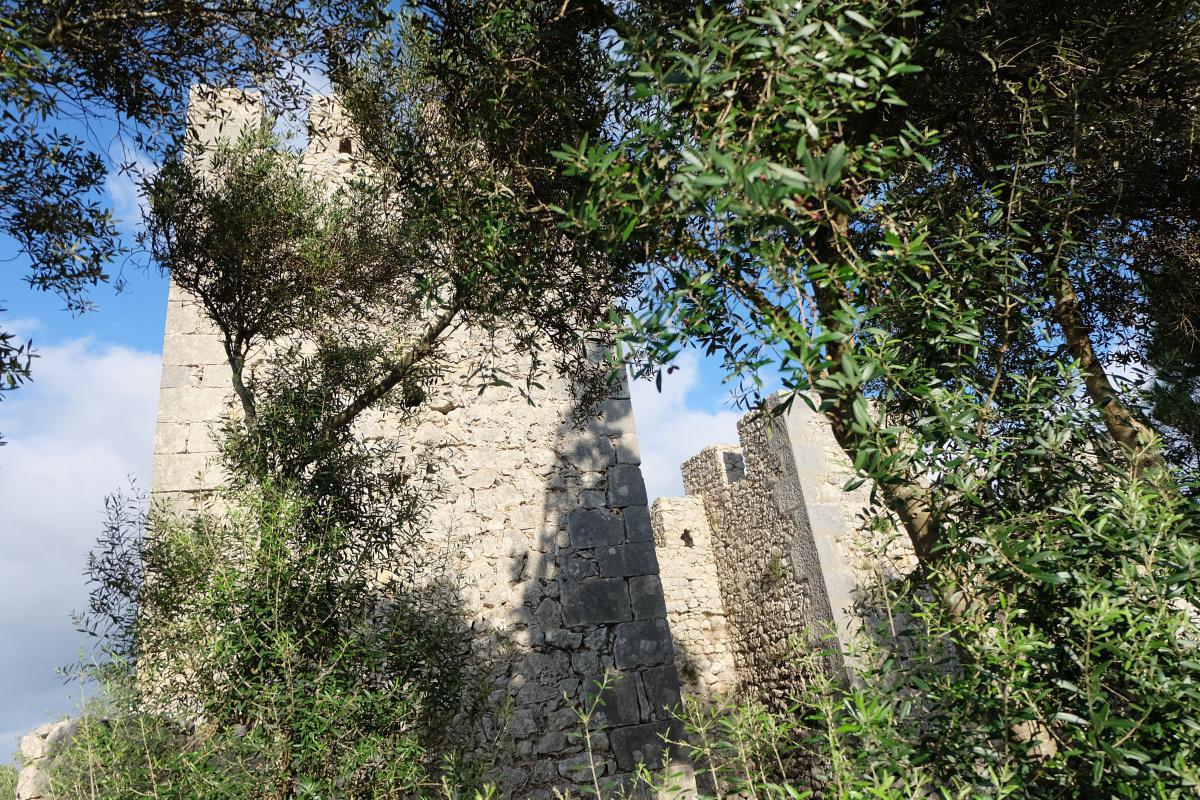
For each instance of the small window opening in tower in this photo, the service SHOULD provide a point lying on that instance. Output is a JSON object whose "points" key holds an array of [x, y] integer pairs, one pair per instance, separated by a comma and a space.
{"points": [[345, 146], [687, 538]]}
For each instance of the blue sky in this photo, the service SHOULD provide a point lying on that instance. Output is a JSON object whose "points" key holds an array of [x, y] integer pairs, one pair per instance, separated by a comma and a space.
{"points": [[85, 425]]}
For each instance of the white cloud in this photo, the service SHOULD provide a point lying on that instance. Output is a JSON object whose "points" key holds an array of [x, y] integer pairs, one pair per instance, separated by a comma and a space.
{"points": [[124, 185], [672, 428], [22, 328], [74, 434]]}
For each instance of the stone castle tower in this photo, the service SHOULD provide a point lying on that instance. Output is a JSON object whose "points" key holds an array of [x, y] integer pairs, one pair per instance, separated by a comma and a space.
{"points": [[765, 564], [546, 523]]}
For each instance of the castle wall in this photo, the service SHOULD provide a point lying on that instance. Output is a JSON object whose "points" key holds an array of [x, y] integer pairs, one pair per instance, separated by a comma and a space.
{"points": [[545, 525], [695, 612], [795, 563]]}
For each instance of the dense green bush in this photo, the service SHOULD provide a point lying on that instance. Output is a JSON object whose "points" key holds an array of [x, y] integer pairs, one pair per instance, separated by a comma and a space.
{"points": [[1067, 669], [269, 654], [8, 781]]}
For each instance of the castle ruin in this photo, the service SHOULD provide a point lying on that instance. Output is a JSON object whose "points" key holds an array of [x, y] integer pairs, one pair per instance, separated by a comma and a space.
{"points": [[547, 525]]}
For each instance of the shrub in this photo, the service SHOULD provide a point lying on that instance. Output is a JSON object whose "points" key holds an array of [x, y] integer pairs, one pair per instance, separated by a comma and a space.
{"points": [[262, 651], [8, 781]]}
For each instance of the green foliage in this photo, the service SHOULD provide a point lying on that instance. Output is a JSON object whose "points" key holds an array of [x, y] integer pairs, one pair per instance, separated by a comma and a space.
{"points": [[68, 69], [305, 625], [298, 638], [775, 573], [265, 651], [8, 781], [937, 224], [1070, 673], [459, 111]]}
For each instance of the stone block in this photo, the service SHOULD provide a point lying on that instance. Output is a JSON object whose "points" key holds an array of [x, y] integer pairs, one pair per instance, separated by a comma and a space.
{"points": [[175, 376], [637, 524], [616, 417], [644, 744], [625, 560], [564, 639], [586, 451], [826, 519], [522, 723], [585, 662], [576, 567], [193, 349], [202, 437], [643, 643], [646, 597], [576, 768], [660, 688], [550, 743], [628, 451], [547, 668], [192, 404], [618, 702], [184, 472], [594, 601], [548, 613], [594, 528], [625, 486], [170, 437], [33, 747], [32, 784], [217, 376]]}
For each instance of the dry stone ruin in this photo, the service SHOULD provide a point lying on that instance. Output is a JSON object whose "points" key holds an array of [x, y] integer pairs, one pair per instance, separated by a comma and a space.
{"points": [[548, 529], [768, 564]]}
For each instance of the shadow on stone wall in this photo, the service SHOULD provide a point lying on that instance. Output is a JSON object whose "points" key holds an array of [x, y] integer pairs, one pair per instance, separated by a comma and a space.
{"points": [[587, 628]]}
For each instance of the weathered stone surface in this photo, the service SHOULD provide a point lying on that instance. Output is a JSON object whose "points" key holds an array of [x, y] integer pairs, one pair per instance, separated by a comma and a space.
{"points": [[638, 527], [625, 486], [186, 472], [767, 544], [32, 784], [628, 451], [174, 376], [589, 528], [643, 744], [616, 418], [590, 453], [60, 732], [644, 643], [694, 603], [595, 600], [577, 768], [660, 688], [625, 560], [564, 639], [575, 567], [646, 596], [38, 750], [33, 746], [190, 404], [618, 703]]}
